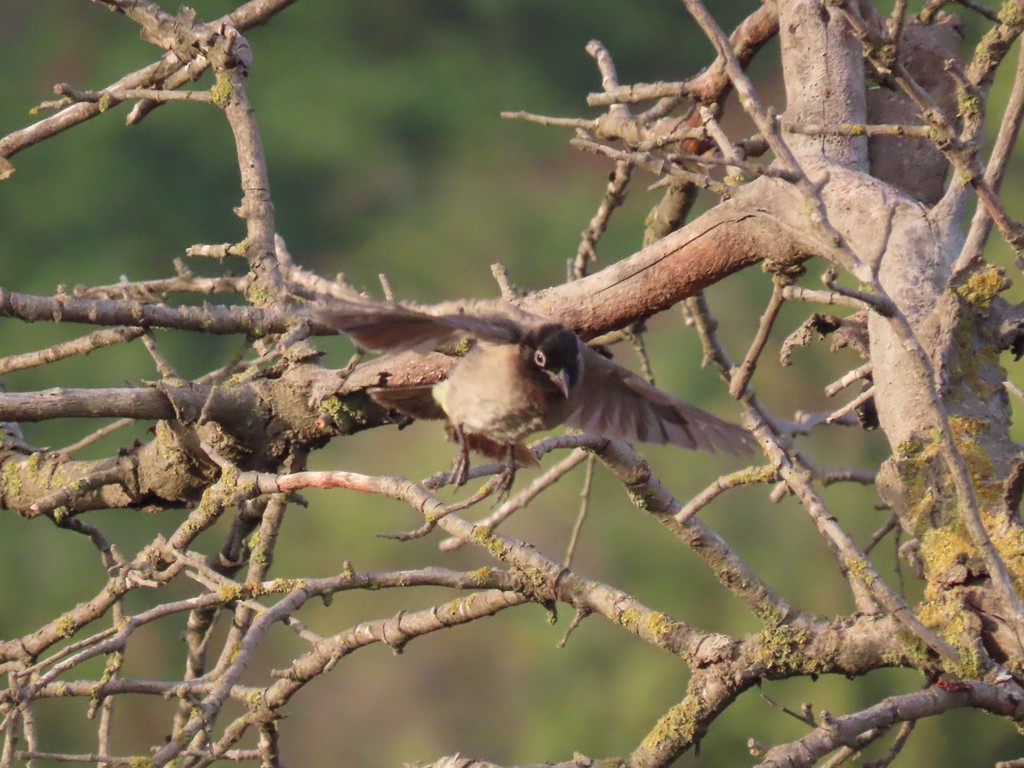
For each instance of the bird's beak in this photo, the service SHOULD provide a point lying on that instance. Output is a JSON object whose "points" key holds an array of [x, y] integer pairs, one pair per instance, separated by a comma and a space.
{"points": [[561, 380]]}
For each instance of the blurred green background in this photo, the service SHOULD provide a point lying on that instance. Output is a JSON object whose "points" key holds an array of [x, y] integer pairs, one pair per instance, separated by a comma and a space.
{"points": [[387, 154]]}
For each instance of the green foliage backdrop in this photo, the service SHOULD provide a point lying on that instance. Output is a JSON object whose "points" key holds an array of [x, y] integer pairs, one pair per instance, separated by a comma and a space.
{"points": [[387, 154]]}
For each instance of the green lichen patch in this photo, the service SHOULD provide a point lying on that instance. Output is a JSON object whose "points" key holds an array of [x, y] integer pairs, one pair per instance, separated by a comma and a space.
{"points": [[1009, 543], [970, 106], [481, 577], [922, 473], [781, 647], [66, 627], [221, 90], [630, 619], [345, 411], [982, 286], [483, 535], [988, 486], [943, 611], [677, 727], [660, 625]]}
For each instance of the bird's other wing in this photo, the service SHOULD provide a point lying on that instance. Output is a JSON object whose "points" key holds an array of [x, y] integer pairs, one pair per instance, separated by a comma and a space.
{"points": [[388, 327], [618, 404], [416, 402]]}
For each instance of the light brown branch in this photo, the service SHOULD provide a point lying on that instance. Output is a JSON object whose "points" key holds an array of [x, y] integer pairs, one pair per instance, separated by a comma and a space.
{"points": [[1000, 700], [80, 346], [712, 84], [1006, 140], [247, 15]]}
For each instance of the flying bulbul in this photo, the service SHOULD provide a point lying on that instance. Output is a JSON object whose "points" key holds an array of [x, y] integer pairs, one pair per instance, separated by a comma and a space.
{"points": [[521, 374]]}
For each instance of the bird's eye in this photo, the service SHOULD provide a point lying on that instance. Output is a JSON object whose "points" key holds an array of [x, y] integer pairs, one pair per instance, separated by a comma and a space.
{"points": [[540, 358]]}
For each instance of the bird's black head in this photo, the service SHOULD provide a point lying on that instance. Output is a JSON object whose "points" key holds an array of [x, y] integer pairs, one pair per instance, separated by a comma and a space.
{"points": [[554, 353]]}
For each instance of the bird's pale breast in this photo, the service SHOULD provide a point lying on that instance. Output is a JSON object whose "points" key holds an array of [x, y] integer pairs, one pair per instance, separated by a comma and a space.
{"points": [[489, 393]]}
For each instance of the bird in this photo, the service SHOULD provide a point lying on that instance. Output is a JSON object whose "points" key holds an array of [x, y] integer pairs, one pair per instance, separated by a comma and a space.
{"points": [[520, 374]]}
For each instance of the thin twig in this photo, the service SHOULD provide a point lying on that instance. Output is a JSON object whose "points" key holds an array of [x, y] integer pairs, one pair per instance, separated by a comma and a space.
{"points": [[722, 484], [933, 6], [524, 497], [563, 122], [1014, 390], [861, 129], [113, 475], [111, 96], [157, 290], [635, 335], [163, 365], [80, 346], [754, 169], [799, 293], [851, 406], [805, 715], [848, 378], [894, 26], [711, 85], [862, 741], [657, 165], [719, 136], [886, 528], [1002, 151], [614, 196], [581, 516], [741, 376], [902, 737]]}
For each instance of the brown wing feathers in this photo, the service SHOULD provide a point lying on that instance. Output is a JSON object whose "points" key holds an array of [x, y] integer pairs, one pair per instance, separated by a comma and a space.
{"points": [[389, 327], [619, 404], [384, 327]]}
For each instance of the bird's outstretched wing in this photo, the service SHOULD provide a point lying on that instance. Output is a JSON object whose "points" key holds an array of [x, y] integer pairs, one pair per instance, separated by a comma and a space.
{"points": [[616, 403], [389, 327]]}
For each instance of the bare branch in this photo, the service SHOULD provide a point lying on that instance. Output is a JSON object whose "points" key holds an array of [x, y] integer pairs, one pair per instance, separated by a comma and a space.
{"points": [[852, 129], [657, 165], [712, 84], [1000, 700], [247, 15], [1006, 140], [524, 497], [847, 379], [615, 195], [724, 483], [741, 375], [851, 406], [209, 319], [80, 346]]}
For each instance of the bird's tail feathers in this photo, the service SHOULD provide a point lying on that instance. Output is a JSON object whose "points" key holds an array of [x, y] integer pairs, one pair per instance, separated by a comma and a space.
{"points": [[494, 450]]}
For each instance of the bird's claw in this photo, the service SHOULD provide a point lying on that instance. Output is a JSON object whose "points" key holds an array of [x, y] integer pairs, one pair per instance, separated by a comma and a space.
{"points": [[460, 467], [460, 470], [503, 482]]}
